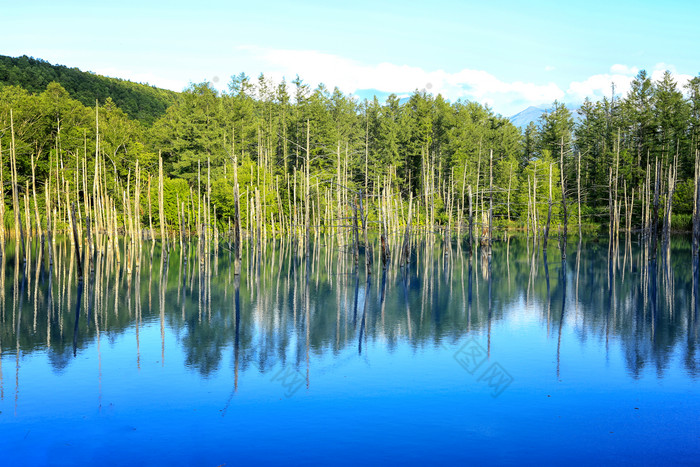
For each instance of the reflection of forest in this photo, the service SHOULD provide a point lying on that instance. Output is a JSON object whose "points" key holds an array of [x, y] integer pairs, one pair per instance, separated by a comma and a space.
{"points": [[288, 309]]}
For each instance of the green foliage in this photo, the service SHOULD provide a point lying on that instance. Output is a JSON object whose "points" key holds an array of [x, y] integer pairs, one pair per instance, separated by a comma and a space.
{"points": [[140, 101], [174, 191], [556, 129], [222, 196], [423, 145], [191, 133], [683, 197], [682, 222]]}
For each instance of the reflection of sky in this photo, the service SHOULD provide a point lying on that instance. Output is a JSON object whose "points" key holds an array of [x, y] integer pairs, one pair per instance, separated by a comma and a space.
{"points": [[403, 399]]}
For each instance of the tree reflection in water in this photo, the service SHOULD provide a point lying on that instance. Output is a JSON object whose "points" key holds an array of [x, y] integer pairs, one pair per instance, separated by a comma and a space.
{"points": [[286, 308]]}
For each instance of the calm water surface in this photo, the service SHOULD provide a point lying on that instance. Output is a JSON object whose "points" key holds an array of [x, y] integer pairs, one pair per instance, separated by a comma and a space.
{"points": [[520, 358]]}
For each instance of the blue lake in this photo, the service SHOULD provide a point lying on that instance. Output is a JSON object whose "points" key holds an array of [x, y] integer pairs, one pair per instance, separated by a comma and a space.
{"points": [[516, 357]]}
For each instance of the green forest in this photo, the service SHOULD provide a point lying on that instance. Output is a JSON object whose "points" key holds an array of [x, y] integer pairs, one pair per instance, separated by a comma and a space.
{"points": [[628, 162], [140, 102]]}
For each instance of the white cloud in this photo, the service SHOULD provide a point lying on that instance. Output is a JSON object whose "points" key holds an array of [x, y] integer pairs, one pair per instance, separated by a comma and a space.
{"points": [[624, 69], [505, 97], [680, 78], [350, 76], [597, 86]]}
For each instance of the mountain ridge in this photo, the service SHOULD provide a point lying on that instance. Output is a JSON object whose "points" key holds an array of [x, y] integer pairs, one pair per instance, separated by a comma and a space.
{"points": [[531, 114], [139, 101]]}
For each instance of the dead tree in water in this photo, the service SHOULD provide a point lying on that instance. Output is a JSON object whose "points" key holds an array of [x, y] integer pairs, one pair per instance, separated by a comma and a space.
{"points": [[405, 252], [77, 243], [471, 220], [563, 202], [368, 248], [2, 208], [236, 220], [510, 180], [490, 239], [655, 213], [578, 182], [161, 205], [549, 212], [307, 201], [535, 224], [611, 211], [672, 172], [696, 206], [384, 237], [355, 234]]}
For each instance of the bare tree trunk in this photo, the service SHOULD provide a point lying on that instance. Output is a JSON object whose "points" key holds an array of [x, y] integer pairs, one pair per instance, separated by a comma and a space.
{"points": [[13, 170], [368, 249], [49, 236], [36, 206], [510, 179], [161, 207], [471, 219], [354, 232], [655, 213], [578, 182], [307, 201], [696, 206], [236, 220], [672, 172], [535, 226], [549, 212], [529, 209], [490, 200], [2, 208], [77, 244], [406, 238], [384, 239], [611, 211], [563, 202]]}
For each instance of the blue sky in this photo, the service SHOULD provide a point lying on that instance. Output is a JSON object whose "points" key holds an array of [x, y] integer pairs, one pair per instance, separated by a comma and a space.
{"points": [[508, 54]]}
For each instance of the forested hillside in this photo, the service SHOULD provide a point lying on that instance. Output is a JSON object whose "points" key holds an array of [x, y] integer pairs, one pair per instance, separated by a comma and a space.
{"points": [[139, 101], [446, 156]]}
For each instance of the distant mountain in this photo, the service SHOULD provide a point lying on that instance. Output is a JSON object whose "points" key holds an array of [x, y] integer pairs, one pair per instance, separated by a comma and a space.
{"points": [[522, 119], [139, 101], [532, 114]]}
